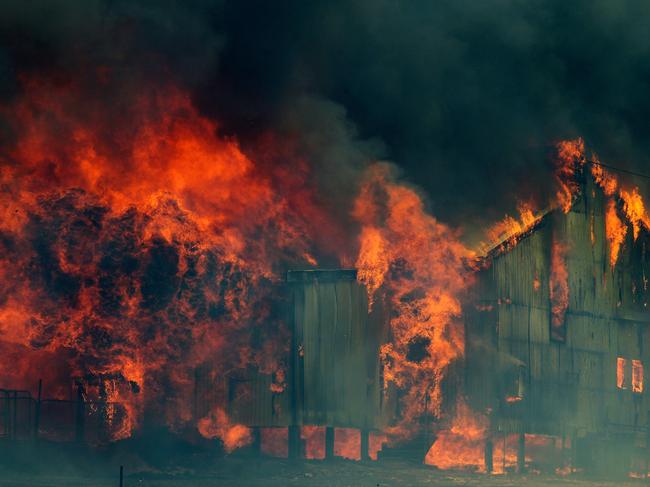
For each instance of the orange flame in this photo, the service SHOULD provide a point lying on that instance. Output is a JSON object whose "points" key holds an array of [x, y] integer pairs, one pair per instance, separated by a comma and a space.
{"points": [[570, 154], [509, 231], [621, 365], [604, 179], [615, 231], [559, 287], [141, 245], [637, 376], [314, 438], [217, 425], [462, 445], [421, 263], [634, 210], [347, 443]]}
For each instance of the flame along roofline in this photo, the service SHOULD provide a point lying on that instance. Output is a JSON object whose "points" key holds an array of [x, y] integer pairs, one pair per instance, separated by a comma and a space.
{"points": [[510, 240]]}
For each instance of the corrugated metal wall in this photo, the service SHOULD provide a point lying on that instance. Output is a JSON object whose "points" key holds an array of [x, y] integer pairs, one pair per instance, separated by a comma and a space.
{"points": [[571, 385], [336, 350], [334, 368]]}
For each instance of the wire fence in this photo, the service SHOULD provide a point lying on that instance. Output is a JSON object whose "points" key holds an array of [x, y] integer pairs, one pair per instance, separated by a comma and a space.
{"points": [[23, 417]]}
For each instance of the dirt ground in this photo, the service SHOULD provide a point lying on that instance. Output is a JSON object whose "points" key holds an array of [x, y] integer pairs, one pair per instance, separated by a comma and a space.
{"points": [[276, 473]]}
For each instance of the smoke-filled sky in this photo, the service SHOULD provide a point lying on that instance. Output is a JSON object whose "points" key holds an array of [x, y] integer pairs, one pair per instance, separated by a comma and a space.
{"points": [[465, 96]]}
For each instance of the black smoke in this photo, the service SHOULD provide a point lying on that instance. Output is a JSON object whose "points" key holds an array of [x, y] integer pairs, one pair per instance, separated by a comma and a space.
{"points": [[465, 96]]}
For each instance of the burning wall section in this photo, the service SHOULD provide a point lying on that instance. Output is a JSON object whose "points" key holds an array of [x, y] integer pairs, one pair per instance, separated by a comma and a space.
{"points": [[554, 314]]}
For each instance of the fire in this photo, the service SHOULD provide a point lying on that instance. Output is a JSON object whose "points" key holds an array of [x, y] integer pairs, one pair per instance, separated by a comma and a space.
{"points": [[462, 445], [604, 179], [140, 244], [347, 443], [559, 288], [615, 231], [507, 232], [510, 226], [422, 265], [217, 425], [376, 442], [314, 438], [570, 155], [634, 210], [621, 365], [637, 376], [373, 261]]}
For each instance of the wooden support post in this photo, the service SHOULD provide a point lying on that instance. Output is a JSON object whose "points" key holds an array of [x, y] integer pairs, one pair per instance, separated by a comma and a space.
{"points": [[37, 410], [80, 415], [574, 450], [329, 442], [489, 455], [294, 442], [365, 445], [257, 441], [563, 457], [521, 453]]}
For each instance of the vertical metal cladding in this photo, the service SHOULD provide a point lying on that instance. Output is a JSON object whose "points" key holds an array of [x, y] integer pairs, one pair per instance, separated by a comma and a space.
{"points": [[333, 376], [335, 351], [581, 386]]}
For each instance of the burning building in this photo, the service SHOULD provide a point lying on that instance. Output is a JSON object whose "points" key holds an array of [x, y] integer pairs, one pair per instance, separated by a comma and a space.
{"points": [[200, 233], [333, 378], [557, 329], [145, 282]]}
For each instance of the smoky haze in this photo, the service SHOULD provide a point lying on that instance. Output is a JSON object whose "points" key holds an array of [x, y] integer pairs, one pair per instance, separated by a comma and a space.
{"points": [[465, 96]]}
